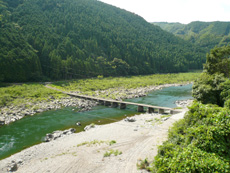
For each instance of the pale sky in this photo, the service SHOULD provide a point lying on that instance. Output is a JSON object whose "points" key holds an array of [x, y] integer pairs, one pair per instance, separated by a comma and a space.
{"points": [[183, 11]]}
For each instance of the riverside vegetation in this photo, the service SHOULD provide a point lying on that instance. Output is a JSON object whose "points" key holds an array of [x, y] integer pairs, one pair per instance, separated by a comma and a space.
{"points": [[201, 141], [123, 87], [18, 101]]}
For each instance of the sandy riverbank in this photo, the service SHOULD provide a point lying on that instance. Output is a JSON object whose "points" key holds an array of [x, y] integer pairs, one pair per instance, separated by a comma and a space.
{"points": [[136, 140]]}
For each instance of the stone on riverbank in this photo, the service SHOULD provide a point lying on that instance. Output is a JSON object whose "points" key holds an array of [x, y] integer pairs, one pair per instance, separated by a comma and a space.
{"points": [[13, 166], [2, 121], [130, 119], [58, 134], [89, 127], [183, 103]]}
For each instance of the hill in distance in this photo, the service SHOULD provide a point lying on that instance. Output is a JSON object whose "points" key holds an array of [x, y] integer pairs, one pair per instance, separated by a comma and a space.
{"points": [[204, 34], [66, 39]]}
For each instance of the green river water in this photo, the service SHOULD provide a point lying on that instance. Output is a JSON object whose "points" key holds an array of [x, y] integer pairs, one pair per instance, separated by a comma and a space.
{"points": [[31, 130]]}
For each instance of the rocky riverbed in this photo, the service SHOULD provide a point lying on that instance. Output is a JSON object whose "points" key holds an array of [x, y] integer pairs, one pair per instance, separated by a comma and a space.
{"points": [[123, 93], [13, 113]]}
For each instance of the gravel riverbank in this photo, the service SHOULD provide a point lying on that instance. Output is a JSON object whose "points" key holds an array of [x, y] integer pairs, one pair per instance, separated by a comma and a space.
{"points": [[88, 151]]}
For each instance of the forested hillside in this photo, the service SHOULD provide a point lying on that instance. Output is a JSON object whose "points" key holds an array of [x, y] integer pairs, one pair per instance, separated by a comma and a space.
{"points": [[65, 39], [204, 34]]}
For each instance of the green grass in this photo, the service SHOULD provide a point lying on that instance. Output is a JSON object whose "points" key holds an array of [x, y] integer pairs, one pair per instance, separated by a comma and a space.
{"points": [[112, 152], [165, 116], [112, 142], [95, 142], [89, 86], [21, 94], [144, 164], [178, 108], [151, 120]]}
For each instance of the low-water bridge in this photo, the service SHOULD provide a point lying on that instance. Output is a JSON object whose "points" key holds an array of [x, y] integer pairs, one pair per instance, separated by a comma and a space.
{"points": [[122, 104]]}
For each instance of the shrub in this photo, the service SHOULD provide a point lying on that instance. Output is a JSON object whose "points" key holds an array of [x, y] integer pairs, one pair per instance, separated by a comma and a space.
{"points": [[144, 164], [207, 89], [112, 152], [198, 143], [227, 104]]}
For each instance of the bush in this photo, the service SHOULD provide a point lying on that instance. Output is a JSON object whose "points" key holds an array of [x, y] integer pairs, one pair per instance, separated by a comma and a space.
{"points": [[144, 164], [207, 89], [191, 159], [227, 104], [201, 141], [198, 143], [112, 152]]}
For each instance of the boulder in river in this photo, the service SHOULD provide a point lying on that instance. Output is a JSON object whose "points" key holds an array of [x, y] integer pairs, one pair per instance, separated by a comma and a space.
{"points": [[78, 124]]}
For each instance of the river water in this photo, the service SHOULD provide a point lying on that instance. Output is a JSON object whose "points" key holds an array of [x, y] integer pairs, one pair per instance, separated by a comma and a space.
{"points": [[31, 130]]}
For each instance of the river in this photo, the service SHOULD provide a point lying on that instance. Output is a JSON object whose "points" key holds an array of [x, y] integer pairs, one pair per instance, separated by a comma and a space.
{"points": [[31, 130]]}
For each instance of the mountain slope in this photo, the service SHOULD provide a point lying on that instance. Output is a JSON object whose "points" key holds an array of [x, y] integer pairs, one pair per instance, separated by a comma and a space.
{"points": [[85, 38], [204, 34]]}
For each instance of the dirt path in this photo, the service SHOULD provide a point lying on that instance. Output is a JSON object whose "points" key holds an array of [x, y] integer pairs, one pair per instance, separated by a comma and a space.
{"points": [[136, 140]]}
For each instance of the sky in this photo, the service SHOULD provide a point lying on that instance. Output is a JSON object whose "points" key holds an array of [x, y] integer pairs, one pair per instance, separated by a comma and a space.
{"points": [[183, 11]]}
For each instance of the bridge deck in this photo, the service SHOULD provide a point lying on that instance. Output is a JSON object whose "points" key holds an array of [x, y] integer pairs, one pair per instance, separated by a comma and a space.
{"points": [[116, 101]]}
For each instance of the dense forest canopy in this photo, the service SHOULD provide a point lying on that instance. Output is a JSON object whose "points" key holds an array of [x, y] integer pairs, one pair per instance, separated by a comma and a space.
{"points": [[65, 39], [204, 34]]}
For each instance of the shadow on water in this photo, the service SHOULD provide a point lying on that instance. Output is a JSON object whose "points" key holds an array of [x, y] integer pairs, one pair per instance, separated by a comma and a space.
{"points": [[31, 130]]}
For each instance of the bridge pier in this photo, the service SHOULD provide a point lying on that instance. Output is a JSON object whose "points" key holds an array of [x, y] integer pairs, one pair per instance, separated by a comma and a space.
{"points": [[161, 111], [140, 109], [174, 112], [101, 102], [150, 110], [107, 103], [122, 106], [114, 105]]}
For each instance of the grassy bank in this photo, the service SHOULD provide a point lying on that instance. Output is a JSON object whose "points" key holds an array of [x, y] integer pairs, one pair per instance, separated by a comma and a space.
{"points": [[123, 87], [89, 85], [20, 94]]}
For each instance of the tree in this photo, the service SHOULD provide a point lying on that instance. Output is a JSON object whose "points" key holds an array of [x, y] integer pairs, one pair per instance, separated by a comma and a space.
{"points": [[84, 30], [121, 67], [208, 88], [218, 61]]}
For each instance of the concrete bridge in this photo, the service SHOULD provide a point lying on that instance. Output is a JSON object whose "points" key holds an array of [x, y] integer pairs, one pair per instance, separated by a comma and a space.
{"points": [[123, 104]]}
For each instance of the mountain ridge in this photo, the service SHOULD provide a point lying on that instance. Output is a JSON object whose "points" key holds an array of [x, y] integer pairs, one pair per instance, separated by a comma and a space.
{"points": [[203, 34], [76, 38]]}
